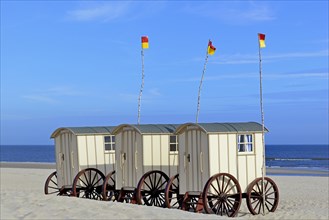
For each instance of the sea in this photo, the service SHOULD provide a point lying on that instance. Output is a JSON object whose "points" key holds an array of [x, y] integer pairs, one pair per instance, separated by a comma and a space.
{"points": [[310, 157]]}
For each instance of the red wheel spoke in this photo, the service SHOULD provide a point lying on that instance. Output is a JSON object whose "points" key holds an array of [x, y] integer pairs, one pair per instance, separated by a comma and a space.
{"points": [[218, 186], [223, 183], [270, 193], [51, 187], [163, 183], [230, 188], [53, 182], [92, 182], [151, 182], [158, 183], [268, 190], [154, 178], [266, 201], [97, 182], [86, 184], [148, 185], [215, 189], [268, 209], [89, 176], [256, 200], [228, 183], [265, 186], [84, 174], [259, 189], [227, 207]]}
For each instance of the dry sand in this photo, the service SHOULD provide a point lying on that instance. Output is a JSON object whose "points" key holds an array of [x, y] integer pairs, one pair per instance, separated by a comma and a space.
{"points": [[22, 197]]}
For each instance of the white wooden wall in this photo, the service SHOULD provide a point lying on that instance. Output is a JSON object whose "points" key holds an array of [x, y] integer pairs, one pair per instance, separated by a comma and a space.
{"points": [[157, 156], [129, 170], [80, 152], [193, 172], [222, 154], [216, 153], [143, 153], [250, 164], [66, 158], [91, 154]]}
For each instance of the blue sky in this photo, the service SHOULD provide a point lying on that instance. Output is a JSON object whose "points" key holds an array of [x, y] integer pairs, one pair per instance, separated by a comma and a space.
{"points": [[78, 63]]}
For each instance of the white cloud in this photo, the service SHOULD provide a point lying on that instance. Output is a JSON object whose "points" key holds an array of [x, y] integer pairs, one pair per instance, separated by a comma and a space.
{"points": [[105, 12], [113, 10], [50, 95], [234, 12], [253, 58], [40, 98], [321, 53]]}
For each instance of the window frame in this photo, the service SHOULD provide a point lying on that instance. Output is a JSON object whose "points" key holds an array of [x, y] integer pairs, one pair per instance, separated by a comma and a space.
{"points": [[171, 143], [111, 143], [245, 143]]}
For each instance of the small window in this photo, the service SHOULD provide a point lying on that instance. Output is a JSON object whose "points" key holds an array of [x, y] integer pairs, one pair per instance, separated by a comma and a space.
{"points": [[173, 143], [245, 143], [109, 143]]}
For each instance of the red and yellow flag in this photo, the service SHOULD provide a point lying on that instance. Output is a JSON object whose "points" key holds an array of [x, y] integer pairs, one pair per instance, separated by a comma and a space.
{"points": [[261, 38], [145, 42], [211, 48]]}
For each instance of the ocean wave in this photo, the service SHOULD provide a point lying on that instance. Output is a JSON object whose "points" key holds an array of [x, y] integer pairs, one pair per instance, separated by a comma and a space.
{"points": [[294, 159]]}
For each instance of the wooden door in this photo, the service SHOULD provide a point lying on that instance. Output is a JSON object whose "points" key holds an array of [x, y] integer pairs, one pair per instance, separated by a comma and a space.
{"points": [[129, 160], [196, 166]]}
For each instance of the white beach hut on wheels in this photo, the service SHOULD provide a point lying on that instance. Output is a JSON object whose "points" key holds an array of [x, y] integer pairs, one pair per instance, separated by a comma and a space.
{"points": [[219, 164], [81, 153], [210, 148], [146, 155]]}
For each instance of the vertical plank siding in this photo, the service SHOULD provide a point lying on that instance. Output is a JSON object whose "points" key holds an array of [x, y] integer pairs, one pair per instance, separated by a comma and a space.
{"points": [[118, 160], [201, 154], [80, 152], [214, 153]]}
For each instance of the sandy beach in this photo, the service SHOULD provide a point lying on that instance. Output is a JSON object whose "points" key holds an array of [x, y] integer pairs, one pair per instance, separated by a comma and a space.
{"points": [[22, 197]]}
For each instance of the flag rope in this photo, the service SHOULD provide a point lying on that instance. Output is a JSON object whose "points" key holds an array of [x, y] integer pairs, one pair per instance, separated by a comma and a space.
{"points": [[263, 127], [141, 89], [200, 86]]}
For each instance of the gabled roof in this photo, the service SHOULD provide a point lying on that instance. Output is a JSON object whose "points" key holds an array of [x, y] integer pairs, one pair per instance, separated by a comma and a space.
{"points": [[149, 128], [84, 130], [235, 127], [165, 128]]}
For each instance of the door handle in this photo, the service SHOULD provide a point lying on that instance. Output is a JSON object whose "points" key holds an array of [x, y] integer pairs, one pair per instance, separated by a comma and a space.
{"points": [[136, 160], [201, 162], [122, 159], [72, 159]]}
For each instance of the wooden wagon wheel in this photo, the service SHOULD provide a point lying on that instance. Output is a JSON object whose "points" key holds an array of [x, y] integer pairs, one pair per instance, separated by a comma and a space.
{"points": [[172, 197], [255, 196], [151, 188], [108, 189], [222, 195], [51, 186], [88, 184]]}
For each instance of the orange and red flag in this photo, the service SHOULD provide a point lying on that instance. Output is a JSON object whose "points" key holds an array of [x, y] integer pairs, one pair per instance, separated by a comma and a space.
{"points": [[211, 48], [145, 42], [261, 38]]}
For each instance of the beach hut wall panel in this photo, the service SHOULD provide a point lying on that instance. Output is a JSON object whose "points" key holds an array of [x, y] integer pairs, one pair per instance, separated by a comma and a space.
{"points": [[66, 161], [142, 148], [78, 148], [128, 157], [210, 148]]}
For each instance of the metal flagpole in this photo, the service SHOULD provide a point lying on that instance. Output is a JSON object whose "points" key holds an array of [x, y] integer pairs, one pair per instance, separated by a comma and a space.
{"points": [[263, 127], [199, 93], [141, 90]]}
